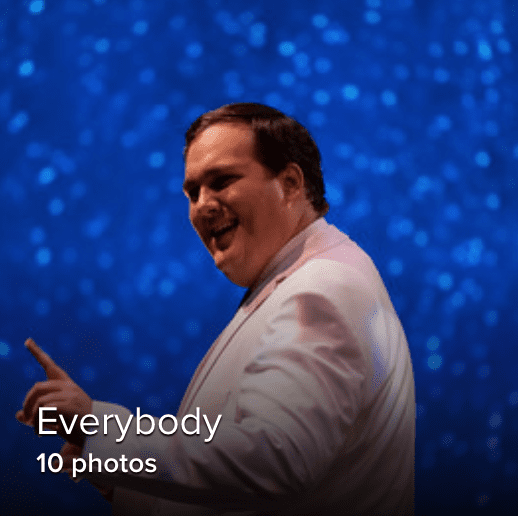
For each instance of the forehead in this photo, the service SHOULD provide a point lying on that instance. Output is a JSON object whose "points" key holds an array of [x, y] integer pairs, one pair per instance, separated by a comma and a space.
{"points": [[219, 142]]}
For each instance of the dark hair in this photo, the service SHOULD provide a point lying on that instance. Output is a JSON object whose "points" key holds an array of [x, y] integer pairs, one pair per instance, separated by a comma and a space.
{"points": [[279, 140]]}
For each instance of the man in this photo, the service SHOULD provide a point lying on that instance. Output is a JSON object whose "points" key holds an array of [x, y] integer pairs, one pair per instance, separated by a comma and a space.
{"points": [[312, 376]]}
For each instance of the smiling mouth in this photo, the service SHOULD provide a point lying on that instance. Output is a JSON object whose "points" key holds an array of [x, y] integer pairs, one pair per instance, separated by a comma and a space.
{"points": [[221, 238], [224, 229]]}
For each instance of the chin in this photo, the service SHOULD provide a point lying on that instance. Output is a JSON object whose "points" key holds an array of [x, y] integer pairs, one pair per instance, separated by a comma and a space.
{"points": [[235, 275], [224, 265], [239, 282], [234, 266]]}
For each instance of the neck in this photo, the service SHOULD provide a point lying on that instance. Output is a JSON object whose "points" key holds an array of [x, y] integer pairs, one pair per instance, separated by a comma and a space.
{"points": [[304, 221]]}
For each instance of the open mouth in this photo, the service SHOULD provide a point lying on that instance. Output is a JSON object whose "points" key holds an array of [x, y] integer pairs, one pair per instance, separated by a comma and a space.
{"points": [[223, 235], [225, 229]]}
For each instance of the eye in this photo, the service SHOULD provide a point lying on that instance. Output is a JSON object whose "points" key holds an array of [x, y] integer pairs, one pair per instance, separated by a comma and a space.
{"points": [[221, 182], [192, 194]]}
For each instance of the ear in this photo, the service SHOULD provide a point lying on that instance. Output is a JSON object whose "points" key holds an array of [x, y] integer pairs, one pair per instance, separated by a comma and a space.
{"points": [[291, 180]]}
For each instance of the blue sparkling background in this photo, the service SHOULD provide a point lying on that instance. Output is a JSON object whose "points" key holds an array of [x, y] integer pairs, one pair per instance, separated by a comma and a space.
{"points": [[413, 104]]}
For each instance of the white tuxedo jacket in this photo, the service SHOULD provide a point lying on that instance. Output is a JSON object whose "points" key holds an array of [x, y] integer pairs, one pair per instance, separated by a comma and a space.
{"points": [[314, 382]]}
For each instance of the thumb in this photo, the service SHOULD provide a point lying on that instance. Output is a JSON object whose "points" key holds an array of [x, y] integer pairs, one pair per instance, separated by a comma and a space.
{"points": [[52, 370]]}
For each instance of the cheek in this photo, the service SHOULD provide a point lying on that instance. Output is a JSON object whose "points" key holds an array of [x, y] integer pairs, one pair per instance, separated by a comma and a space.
{"points": [[257, 208], [196, 225], [255, 217], [193, 221]]}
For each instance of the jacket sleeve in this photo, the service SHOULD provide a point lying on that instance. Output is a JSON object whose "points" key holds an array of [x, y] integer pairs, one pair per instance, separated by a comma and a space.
{"points": [[297, 403]]}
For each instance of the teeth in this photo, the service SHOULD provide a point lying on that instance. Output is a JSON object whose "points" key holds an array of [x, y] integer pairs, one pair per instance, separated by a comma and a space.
{"points": [[223, 228]]}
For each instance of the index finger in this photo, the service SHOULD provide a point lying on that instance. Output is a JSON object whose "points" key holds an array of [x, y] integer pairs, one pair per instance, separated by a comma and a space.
{"points": [[43, 359]]}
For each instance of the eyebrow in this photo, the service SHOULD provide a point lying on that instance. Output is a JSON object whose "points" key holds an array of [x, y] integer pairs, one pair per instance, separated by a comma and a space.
{"points": [[188, 184]]}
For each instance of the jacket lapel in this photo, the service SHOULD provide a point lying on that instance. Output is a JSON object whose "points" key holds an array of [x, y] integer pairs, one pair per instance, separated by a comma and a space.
{"points": [[315, 244]]}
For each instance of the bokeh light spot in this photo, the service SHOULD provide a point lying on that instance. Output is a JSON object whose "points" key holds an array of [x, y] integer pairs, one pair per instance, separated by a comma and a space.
{"points": [[434, 362], [458, 368], [491, 318], [441, 75], [102, 45], [395, 267], [435, 49], [323, 65], [503, 46], [335, 36], [482, 159], [156, 159], [421, 238], [445, 281], [433, 343], [484, 50], [350, 92], [140, 27], [493, 201], [484, 371], [46, 175], [320, 21], [495, 420], [36, 6], [4, 349], [334, 194], [321, 97], [287, 48], [106, 307], [88, 373], [372, 17], [194, 50], [43, 256], [287, 79], [257, 35], [166, 287], [56, 207], [460, 48], [389, 98], [148, 363], [26, 68], [18, 122], [37, 235]]}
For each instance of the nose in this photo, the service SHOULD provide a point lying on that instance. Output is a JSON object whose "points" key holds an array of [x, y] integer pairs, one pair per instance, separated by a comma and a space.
{"points": [[206, 205]]}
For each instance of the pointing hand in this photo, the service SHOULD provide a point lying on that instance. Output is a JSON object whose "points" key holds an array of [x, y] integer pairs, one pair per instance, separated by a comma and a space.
{"points": [[58, 391]]}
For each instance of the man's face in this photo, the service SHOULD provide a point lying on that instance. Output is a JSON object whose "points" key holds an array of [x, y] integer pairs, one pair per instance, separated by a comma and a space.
{"points": [[236, 207]]}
